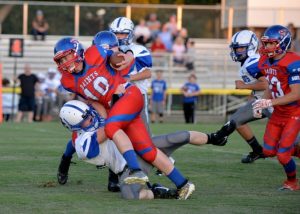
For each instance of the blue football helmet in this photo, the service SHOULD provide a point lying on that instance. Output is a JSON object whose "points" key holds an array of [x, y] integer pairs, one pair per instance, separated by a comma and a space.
{"points": [[76, 115], [243, 39], [123, 25], [67, 46], [279, 34], [106, 39]]}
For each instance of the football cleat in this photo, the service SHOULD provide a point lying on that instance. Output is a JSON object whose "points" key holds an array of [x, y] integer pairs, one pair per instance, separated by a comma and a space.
{"points": [[113, 187], [63, 170], [162, 192], [251, 157], [186, 191], [113, 182], [290, 185], [136, 177]]}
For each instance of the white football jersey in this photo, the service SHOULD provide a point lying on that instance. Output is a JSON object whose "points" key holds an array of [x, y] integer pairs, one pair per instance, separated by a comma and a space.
{"points": [[105, 154], [143, 60], [249, 70]]}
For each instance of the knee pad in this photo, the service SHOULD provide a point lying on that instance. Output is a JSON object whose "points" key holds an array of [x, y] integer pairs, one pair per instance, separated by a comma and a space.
{"points": [[150, 155], [283, 158]]}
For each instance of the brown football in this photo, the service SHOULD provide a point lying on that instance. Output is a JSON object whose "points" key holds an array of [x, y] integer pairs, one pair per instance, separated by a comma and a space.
{"points": [[114, 59]]}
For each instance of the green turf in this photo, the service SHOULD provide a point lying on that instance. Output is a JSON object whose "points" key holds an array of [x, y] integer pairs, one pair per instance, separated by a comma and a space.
{"points": [[30, 153]]}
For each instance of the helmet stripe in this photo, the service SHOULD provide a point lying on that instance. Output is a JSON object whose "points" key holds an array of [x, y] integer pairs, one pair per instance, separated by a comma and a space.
{"points": [[73, 106], [236, 37], [119, 22]]}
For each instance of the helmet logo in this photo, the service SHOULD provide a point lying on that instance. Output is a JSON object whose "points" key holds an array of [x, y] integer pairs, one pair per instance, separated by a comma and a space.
{"points": [[282, 33]]}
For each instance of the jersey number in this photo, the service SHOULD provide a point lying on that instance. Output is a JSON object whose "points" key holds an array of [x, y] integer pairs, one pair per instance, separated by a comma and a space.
{"points": [[275, 87], [100, 85]]}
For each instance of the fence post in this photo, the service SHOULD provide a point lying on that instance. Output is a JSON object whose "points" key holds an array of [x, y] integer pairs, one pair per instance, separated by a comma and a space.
{"points": [[25, 19], [128, 11], [76, 20], [179, 17], [230, 23]]}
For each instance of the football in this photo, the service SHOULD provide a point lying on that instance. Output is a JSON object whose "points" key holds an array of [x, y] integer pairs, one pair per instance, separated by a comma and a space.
{"points": [[114, 59]]}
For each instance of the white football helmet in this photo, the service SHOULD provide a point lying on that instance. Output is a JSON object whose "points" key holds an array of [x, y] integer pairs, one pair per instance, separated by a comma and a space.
{"points": [[123, 25], [244, 38], [74, 113]]}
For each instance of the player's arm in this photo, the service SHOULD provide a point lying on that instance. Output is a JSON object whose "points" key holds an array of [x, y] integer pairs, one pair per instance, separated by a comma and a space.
{"points": [[143, 63], [145, 74], [99, 108], [260, 85]]}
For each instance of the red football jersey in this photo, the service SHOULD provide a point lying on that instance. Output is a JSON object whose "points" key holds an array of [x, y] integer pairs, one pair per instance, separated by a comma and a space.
{"points": [[280, 75], [98, 81]]}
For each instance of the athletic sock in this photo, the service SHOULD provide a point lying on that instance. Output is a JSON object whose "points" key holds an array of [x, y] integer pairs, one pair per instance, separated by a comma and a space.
{"points": [[290, 170], [131, 159], [177, 178], [253, 143], [70, 150]]}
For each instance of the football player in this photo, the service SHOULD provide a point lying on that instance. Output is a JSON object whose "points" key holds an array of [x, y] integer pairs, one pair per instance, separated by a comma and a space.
{"points": [[281, 68], [244, 45], [90, 76], [139, 74], [91, 145]]}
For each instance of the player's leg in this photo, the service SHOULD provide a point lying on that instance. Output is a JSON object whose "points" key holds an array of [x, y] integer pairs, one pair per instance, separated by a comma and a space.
{"points": [[246, 132], [64, 165], [118, 119], [160, 111], [146, 149], [284, 153], [237, 121]]}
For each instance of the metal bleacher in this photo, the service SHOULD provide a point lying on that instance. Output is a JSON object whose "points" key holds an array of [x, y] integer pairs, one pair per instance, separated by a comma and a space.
{"points": [[213, 65]]}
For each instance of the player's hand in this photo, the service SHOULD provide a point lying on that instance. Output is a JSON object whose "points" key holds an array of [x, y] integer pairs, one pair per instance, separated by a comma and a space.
{"points": [[126, 62], [262, 104], [239, 84], [259, 105]]}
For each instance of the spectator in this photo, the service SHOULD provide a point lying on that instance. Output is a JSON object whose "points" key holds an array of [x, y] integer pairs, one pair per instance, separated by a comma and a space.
{"points": [[40, 92], [190, 55], [295, 45], [178, 50], [28, 83], [183, 33], [157, 48], [154, 25], [190, 91], [166, 38], [49, 100], [142, 33], [7, 101], [39, 26], [171, 25], [158, 98]]}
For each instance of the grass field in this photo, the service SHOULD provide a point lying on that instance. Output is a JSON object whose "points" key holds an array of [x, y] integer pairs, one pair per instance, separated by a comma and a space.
{"points": [[30, 154]]}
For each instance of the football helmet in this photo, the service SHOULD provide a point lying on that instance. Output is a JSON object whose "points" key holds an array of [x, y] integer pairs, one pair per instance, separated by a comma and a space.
{"points": [[74, 113], [64, 47], [123, 25], [243, 39], [279, 34], [106, 39]]}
